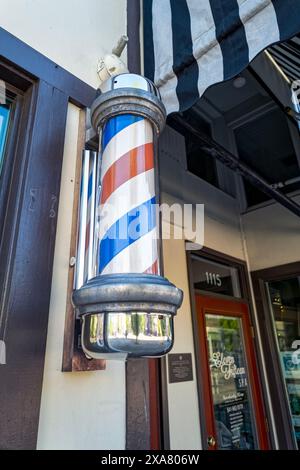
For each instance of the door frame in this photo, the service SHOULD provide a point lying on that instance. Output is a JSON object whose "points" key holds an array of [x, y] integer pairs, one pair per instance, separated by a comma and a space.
{"points": [[281, 418], [218, 257], [237, 309]]}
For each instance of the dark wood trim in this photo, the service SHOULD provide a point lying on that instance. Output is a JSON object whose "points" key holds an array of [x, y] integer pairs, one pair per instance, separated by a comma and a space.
{"points": [[36, 66], [138, 427], [164, 406], [73, 358], [208, 421], [19, 159], [239, 264], [133, 33], [276, 385], [154, 404], [277, 272], [26, 261], [15, 76], [143, 405]]}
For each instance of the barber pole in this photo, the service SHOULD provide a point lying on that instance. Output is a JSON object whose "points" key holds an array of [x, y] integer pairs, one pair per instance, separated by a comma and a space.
{"points": [[127, 309], [128, 230]]}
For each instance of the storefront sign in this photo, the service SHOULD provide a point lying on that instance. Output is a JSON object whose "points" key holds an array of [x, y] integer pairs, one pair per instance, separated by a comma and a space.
{"points": [[180, 367]]}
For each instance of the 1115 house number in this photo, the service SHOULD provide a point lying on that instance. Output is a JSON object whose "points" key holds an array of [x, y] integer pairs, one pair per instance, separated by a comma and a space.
{"points": [[213, 279]]}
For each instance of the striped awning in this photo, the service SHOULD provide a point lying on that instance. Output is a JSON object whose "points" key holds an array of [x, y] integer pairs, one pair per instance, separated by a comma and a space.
{"points": [[287, 56], [190, 45]]}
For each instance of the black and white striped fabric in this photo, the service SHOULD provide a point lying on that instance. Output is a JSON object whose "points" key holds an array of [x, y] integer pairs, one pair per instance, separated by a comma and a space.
{"points": [[192, 44], [287, 56]]}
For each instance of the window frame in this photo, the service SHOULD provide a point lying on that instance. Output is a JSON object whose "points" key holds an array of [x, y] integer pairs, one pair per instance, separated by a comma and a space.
{"points": [[216, 165], [282, 420], [249, 117], [9, 152]]}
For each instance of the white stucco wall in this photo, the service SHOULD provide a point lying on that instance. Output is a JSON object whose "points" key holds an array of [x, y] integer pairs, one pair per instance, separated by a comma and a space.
{"points": [[79, 410], [72, 33], [221, 233], [183, 405]]}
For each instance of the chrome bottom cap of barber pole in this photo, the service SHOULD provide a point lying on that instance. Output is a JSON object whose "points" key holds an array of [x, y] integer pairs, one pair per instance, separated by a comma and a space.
{"points": [[127, 315]]}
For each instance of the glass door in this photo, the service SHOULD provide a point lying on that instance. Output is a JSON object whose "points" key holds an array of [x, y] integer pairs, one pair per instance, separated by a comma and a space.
{"points": [[233, 407]]}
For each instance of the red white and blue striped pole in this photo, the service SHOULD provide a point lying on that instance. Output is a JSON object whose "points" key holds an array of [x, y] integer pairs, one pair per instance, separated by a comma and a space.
{"points": [[128, 307], [128, 228]]}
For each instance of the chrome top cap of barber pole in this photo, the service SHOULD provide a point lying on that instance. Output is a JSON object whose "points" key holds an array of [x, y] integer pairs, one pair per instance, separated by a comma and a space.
{"points": [[127, 315], [129, 80], [128, 93]]}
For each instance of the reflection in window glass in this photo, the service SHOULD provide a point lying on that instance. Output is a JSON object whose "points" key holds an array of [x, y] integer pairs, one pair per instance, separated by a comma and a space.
{"points": [[8, 105], [198, 161], [234, 420], [285, 303], [6, 101], [4, 118]]}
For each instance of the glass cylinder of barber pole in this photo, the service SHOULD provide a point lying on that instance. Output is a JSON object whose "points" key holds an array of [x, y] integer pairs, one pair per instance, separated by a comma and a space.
{"points": [[128, 307], [127, 222]]}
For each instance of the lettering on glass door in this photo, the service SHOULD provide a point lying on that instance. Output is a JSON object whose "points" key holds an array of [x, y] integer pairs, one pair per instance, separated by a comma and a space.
{"points": [[227, 366], [233, 413]]}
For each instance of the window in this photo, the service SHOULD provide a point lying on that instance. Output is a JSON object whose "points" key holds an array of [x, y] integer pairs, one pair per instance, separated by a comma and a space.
{"points": [[265, 144], [198, 162], [215, 277], [9, 101], [284, 298], [4, 118], [6, 102]]}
